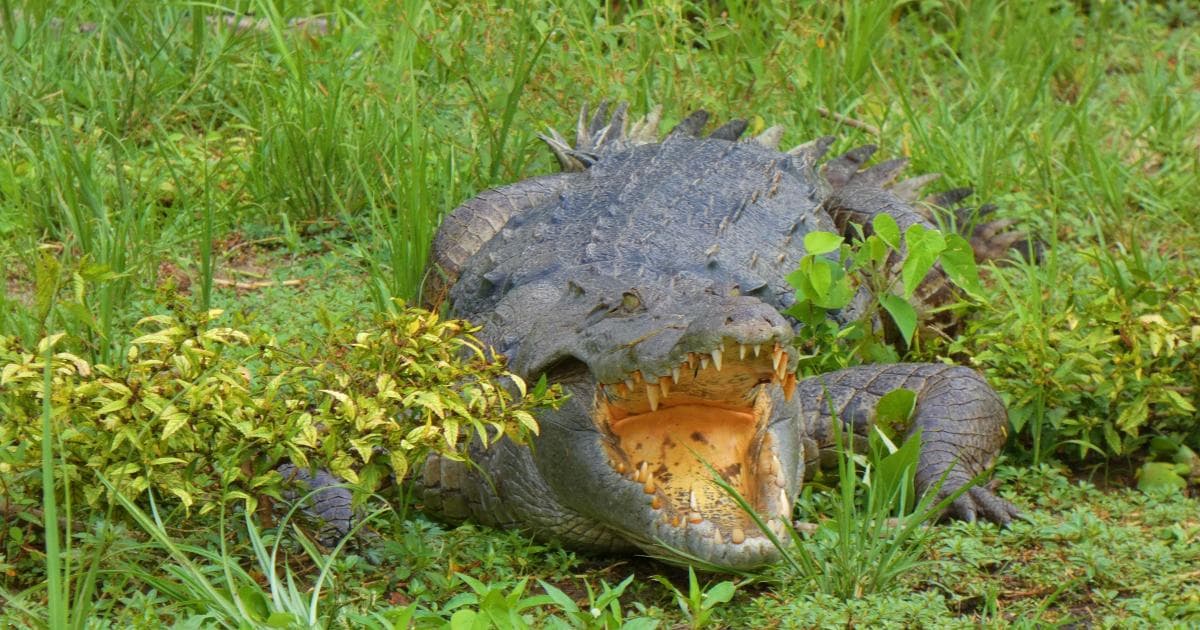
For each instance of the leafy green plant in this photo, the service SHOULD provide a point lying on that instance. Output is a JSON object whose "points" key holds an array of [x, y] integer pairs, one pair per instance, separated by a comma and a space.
{"points": [[825, 283], [603, 609], [699, 604], [1098, 363], [492, 605], [204, 414]]}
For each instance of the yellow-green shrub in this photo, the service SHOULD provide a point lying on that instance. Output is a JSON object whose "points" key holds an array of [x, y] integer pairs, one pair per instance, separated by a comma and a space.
{"points": [[1095, 352], [204, 413]]}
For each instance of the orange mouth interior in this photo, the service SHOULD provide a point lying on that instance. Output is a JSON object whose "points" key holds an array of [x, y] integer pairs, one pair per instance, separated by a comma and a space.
{"points": [[666, 434]]}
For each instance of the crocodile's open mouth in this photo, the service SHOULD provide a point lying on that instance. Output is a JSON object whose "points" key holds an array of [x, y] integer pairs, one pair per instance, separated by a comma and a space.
{"points": [[664, 432]]}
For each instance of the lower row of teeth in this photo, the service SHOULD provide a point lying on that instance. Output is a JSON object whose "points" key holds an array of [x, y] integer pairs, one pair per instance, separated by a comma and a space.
{"points": [[737, 535]]}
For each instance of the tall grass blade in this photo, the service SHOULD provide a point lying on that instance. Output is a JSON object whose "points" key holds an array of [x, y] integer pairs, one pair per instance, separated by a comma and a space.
{"points": [[57, 604]]}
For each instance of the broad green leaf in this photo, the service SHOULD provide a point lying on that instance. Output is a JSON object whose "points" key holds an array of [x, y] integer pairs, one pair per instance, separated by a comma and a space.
{"points": [[1114, 441], [343, 466], [1161, 445], [886, 228], [1159, 476], [1187, 458], [1179, 401], [894, 467], [902, 313], [560, 599], [924, 245], [519, 383], [399, 463], [877, 250], [817, 243], [821, 278], [894, 410], [162, 337], [450, 431], [1133, 416], [175, 420], [280, 619], [428, 400], [799, 281], [719, 594], [467, 619], [526, 420], [113, 406], [958, 259], [185, 497], [255, 602]]}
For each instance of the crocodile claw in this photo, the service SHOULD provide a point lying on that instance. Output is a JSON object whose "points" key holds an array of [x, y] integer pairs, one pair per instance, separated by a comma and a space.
{"points": [[980, 503]]}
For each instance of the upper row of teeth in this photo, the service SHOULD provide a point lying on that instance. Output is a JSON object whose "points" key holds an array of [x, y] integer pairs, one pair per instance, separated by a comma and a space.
{"points": [[661, 388]]}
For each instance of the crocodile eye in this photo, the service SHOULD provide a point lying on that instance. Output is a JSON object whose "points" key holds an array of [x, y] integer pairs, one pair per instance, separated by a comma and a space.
{"points": [[630, 302]]}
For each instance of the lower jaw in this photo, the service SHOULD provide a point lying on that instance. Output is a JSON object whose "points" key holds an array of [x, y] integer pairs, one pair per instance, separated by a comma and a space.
{"points": [[696, 545]]}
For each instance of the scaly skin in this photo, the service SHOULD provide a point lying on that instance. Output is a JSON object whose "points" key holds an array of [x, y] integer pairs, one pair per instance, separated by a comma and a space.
{"points": [[650, 284]]}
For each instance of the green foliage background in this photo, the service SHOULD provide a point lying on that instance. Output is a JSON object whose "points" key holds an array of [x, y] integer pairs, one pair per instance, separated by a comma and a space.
{"points": [[149, 152]]}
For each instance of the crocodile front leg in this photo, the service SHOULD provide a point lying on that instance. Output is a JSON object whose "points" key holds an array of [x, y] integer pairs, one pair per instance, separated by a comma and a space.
{"points": [[962, 421]]}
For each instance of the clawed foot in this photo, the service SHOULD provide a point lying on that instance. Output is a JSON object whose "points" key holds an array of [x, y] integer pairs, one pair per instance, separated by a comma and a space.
{"points": [[980, 502]]}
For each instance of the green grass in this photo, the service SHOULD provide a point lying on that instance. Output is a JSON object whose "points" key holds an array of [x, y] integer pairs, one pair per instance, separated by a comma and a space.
{"points": [[150, 149]]}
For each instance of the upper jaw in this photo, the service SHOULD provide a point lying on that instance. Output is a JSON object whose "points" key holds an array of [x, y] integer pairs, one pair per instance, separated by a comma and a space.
{"points": [[751, 363]]}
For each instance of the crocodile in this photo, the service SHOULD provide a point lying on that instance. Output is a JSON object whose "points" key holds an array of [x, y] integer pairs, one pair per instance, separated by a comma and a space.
{"points": [[648, 279]]}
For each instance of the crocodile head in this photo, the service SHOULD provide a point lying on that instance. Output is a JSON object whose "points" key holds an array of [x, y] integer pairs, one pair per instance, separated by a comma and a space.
{"points": [[671, 382]]}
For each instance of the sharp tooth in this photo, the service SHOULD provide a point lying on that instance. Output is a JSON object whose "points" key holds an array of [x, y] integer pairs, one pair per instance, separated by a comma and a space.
{"points": [[691, 360], [652, 396], [775, 356], [664, 383], [641, 472], [704, 363], [628, 384], [741, 352], [784, 505], [648, 487], [694, 518], [789, 386], [656, 502], [621, 468], [692, 500], [675, 375], [716, 356], [738, 536], [757, 349]]}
